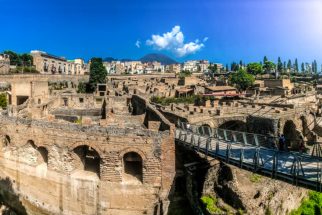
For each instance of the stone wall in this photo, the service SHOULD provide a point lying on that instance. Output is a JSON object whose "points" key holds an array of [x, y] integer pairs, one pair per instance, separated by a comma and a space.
{"points": [[49, 170]]}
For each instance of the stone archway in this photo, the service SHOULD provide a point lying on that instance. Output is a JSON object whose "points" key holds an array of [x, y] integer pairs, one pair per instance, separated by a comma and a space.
{"points": [[87, 160], [33, 155], [235, 125], [205, 129], [132, 168], [292, 135]]}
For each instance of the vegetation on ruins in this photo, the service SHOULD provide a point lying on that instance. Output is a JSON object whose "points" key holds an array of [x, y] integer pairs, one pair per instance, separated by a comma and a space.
{"points": [[255, 178], [23, 60], [241, 79], [185, 73], [168, 100], [210, 204], [3, 100], [269, 66], [311, 205], [213, 68], [81, 88], [97, 74]]}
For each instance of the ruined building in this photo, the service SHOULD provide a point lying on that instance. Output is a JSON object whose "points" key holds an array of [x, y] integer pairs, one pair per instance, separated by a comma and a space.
{"points": [[67, 154]]}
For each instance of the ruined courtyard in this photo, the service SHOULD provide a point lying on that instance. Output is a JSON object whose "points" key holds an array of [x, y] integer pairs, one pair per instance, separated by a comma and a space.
{"points": [[113, 151]]}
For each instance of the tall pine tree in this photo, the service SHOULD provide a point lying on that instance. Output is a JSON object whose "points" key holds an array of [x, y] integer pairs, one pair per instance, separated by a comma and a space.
{"points": [[289, 65], [302, 68], [279, 65], [296, 65], [265, 59], [97, 74]]}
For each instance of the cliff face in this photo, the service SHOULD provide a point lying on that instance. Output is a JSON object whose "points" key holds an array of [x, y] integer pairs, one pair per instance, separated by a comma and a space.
{"points": [[239, 189]]}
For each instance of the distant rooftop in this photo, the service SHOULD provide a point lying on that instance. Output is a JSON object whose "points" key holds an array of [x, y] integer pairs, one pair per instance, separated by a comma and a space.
{"points": [[45, 54]]}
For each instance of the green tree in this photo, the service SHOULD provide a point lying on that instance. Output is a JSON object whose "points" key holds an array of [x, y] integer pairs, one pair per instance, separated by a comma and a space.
{"points": [[3, 100], [97, 74], [81, 87], [279, 65], [227, 69], [26, 59], [296, 65], [213, 68], [255, 68], [185, 73], [241, 63], [289, 65], [14, 58], [269, 66], [241, 79], [302, 68], [234, 66], [265, 59], [314, 67]]}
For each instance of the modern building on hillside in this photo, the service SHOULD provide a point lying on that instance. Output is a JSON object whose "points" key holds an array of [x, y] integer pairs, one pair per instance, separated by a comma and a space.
{"points": [[4, 64], [50, 64], [174, 68]]}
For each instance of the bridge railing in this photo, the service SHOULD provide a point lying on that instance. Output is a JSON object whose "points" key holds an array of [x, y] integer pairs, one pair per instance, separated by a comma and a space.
{"points": [[257, 152], [240, 137], [247, 138]]}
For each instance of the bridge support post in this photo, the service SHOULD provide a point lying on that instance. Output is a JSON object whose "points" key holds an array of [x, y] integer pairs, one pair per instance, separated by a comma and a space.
{"points": [[256, 160], [217, 148], [256, 140], [192, 140], [245, 138], [241, 159], [199, 144], [207, 145], [228, 152], [225, 135]]}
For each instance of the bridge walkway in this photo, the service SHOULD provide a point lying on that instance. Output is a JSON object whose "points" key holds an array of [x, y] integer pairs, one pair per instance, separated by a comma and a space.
{"points": [[256, 152]]}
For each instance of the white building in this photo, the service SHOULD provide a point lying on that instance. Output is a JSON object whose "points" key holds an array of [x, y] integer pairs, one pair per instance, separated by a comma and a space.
{"points": [[50, 64]]}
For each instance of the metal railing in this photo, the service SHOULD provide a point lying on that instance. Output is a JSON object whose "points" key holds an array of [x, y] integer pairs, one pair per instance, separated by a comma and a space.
{"points": [[253, 151]]}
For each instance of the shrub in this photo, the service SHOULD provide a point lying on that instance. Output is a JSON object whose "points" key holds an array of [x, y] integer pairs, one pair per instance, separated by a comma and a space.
{"points": [[3, 100], [255, 178], [311, 205], [210, 203]]}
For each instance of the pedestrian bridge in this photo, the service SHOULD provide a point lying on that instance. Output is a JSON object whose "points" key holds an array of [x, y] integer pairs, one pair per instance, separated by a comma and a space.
{"points": [[255, 152]]}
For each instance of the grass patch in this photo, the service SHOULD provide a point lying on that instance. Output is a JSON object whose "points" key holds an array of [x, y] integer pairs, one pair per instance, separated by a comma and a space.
{"points": [[210, 203], [311, 205], [255, 178]]}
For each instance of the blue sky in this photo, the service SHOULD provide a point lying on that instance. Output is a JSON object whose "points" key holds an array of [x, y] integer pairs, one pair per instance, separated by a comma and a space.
{"points": [[221, 31]]}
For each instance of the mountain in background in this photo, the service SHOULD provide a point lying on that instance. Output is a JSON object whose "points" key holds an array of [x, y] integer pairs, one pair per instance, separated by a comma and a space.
{"points": [[163, 59], [110, 59]]}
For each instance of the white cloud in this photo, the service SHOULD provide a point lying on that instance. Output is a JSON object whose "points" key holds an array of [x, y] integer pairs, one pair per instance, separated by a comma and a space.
{"points": [[138, 44], [205, 39], [174, 41], [189, 48]]}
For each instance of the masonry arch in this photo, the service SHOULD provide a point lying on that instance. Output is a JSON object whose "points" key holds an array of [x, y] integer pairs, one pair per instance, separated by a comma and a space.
{"points": [[87, 160], [33, 155], [235, 125], [205, 129], [292, 135], [132, 168]]}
